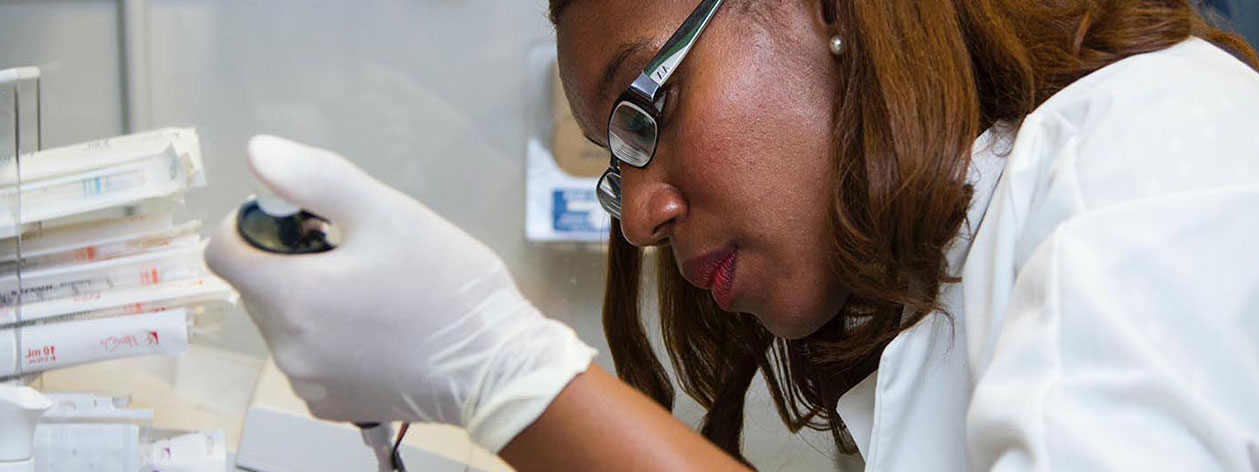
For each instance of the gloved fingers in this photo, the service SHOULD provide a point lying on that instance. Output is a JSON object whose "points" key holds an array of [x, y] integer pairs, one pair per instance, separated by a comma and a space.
{"points": [[323, 405], [315, 179], [224, 254], [250, 269], [272, 297]]}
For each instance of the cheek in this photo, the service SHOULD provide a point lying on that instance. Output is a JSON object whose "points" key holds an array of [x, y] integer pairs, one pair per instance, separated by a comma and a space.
{"points": [[755, 153], [758, 119], [754, 137]]}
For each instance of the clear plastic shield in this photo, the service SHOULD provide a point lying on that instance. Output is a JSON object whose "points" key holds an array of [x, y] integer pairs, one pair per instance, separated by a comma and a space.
{"points": [[19, 137]]}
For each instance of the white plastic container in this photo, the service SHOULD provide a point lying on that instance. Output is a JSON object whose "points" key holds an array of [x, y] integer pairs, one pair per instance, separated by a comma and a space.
{"points": [[87, 446]]}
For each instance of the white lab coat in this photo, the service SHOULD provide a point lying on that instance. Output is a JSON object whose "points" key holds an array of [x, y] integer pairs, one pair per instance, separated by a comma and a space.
{"points": [[1108, 312]]}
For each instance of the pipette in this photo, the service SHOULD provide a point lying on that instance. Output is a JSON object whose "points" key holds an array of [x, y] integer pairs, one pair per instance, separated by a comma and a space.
{"points": [[276, 226]]}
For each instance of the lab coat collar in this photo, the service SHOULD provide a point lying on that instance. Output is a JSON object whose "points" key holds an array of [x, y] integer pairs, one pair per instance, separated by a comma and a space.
{"points": [[857, 406], [987, 164]]}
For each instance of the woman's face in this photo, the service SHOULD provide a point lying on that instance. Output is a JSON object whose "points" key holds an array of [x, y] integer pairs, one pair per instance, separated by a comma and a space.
{"points": [[741, 184]]}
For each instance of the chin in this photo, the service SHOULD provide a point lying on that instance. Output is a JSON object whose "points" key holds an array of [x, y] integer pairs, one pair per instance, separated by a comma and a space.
{"points": [[795, 325], [798, 310]]}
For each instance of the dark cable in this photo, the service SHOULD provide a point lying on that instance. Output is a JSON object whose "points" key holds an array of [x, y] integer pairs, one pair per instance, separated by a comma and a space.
{"points": [[397, 446]]}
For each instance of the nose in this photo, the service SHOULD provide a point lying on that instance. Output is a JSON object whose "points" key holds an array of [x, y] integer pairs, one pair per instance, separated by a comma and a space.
{"points": [[650, 206]]}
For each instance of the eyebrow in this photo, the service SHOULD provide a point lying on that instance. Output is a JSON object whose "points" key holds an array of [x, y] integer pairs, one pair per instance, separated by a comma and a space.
{"points": [[613, 69]]}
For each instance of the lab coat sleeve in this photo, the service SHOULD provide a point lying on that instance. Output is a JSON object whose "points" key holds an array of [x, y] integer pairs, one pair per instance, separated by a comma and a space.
{"points": [[1131, 342]]}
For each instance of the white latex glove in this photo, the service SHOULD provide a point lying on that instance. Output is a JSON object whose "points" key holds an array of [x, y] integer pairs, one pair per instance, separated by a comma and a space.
{"points": [[409, 319]]}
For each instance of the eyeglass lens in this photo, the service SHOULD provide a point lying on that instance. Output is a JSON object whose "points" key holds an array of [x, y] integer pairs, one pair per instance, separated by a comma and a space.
{"points": [[632, 138], [632, 134], [609, 192]]}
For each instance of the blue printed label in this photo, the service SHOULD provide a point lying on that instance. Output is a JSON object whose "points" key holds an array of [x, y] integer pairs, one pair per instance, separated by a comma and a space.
{"points": [[575, 211]]}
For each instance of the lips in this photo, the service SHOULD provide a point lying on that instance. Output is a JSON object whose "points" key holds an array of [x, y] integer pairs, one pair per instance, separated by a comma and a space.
{"points": [[714, 271], [723, 282]]}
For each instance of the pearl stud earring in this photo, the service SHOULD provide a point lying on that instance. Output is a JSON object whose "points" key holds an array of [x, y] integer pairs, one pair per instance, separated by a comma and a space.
{"points": [[837, 45]]}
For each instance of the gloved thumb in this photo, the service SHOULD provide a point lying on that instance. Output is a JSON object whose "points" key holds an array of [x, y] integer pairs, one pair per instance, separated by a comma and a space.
{"points": [[315, 179]]}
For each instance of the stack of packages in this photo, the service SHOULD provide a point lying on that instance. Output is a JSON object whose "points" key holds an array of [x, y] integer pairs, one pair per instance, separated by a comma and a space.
{"points": [[97, 267], [94, 266]]}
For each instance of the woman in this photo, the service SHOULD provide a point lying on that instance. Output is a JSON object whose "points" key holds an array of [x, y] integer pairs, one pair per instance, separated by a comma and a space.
{"points": [[988, 234]]}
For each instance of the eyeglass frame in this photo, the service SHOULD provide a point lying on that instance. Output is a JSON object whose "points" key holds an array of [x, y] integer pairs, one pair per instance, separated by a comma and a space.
{"points": [[644, 93]]}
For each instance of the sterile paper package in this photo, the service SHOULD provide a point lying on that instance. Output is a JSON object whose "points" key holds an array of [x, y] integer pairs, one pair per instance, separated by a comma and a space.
{"points": [[154, 206], [74, 245], [114, 151], [150, 268], [49, 239], [205, 290], [114, 172], [562, 166], [68, 343]]}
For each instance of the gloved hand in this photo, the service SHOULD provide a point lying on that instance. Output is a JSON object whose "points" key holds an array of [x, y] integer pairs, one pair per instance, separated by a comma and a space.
{"points": [[408, 319]]}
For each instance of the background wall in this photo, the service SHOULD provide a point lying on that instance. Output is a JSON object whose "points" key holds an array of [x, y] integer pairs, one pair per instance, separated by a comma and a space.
{"points": [[426, 95]]}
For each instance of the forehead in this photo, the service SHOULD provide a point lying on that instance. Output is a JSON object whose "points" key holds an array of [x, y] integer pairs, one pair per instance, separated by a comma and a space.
{"points": [[592, 33]]}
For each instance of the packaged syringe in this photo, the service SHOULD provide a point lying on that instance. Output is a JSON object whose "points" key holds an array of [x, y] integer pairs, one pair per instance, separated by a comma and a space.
{"points": [[151, 268], [58, 345], [112, 173]]}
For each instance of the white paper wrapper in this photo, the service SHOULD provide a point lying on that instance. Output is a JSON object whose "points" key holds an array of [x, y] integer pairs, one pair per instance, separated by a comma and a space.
{"points": [[150, 268], [50, 240], [106, 249], [116, 172], [60, 345], [202, 290]]}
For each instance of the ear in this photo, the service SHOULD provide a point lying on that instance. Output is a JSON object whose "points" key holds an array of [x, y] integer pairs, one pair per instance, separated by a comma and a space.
{"points": [[825, 17], [826, 10]]}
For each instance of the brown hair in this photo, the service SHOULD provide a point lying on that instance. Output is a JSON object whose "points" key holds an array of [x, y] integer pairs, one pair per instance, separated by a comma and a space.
{"points": [[922, 79]]}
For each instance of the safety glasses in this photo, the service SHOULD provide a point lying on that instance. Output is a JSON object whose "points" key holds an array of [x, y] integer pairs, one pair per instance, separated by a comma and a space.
{"points": [[633, 130]]}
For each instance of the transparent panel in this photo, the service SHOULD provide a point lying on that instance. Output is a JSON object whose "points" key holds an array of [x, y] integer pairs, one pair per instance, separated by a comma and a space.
{"points": [[19, 137]]}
